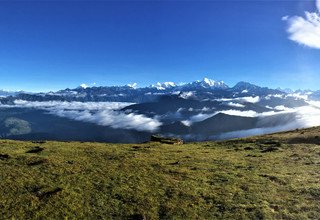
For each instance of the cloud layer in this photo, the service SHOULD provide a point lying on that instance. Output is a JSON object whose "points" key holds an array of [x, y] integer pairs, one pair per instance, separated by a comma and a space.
{"points": [[307, 116], [101, 113], [249, 99], [110, 114], [305, 30]]}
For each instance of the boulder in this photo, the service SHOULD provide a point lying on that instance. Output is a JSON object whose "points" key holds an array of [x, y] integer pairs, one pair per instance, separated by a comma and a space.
{"points": [[165, 140]]}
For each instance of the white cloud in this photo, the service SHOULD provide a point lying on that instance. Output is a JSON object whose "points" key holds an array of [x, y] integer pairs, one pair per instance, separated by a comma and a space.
{"points": [[305, 30], [315, 104], [298, 96], [101, 113], [233, 104], [197, 118], [285, 18], [251, 99], [249, 113], [305, 117], [201, 116], [186, 95], [281, 108], [205, 109], [274, 95], [72, 105], [255, 131], [242, 99], [308, 116], [114, 119]]}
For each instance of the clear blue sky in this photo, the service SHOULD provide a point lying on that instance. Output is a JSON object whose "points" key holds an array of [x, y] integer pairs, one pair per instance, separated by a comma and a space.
{"points": [[54, 45]]}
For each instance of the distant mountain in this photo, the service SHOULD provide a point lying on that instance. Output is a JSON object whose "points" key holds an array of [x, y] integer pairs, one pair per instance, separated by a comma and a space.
{"points": [[205, 83], [164, 85], [286, 90], [201, 89], [4, 93], [220, 123], [245, 88], [315, 95]]}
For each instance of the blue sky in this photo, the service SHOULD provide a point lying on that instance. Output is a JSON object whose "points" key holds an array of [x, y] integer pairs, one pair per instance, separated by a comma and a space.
{"points": [[53, 45]]}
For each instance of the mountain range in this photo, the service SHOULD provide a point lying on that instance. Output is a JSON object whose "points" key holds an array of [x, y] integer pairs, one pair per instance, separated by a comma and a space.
{"points": [[200, 110], [205, 88]]}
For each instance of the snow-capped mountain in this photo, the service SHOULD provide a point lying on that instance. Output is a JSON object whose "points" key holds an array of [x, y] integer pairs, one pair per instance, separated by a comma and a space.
{"points": [[128, 93], [199, 84], [164, 85], [207, 83], [200, 89]]}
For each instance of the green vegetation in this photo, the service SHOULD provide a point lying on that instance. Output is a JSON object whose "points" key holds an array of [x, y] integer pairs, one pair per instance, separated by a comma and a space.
{"points": [[268, 177]]}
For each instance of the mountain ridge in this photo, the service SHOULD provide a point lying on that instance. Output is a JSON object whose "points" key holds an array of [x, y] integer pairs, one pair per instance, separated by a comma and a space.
{"points": [[206, 89]]}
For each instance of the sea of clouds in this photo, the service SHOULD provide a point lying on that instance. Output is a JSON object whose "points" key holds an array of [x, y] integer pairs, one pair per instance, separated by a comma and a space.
{"points": [[299, 117], [304, 117], [111, 114], [101, 113]]}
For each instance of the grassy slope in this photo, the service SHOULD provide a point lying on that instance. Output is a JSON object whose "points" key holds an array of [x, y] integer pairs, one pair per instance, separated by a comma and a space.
{"points": [[273, 176]]}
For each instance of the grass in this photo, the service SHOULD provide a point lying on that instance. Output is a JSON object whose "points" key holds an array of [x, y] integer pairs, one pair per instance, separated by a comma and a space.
{"points": [[269, 177]]}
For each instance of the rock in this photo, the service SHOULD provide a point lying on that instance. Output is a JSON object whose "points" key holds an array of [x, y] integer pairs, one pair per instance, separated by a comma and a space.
{"points": [[4, 156], [270, 149], [35, 150], [137, 217], [165, 140]]}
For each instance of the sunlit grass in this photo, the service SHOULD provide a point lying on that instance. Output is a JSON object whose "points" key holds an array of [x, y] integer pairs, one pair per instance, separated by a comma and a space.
{"points": [[261, 177]]}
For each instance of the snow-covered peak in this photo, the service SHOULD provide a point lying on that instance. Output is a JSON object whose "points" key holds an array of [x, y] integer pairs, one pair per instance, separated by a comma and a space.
{"points": [[169, 84], [133, 85], [164, 85], [83, 86], [209, 83]]}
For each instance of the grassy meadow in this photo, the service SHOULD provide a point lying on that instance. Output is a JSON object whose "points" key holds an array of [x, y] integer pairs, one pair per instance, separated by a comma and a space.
{"points": [[265, 177]]}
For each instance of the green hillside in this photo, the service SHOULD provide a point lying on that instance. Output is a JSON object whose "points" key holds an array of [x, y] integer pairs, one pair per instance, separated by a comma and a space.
{"points": [[269, 177]]}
